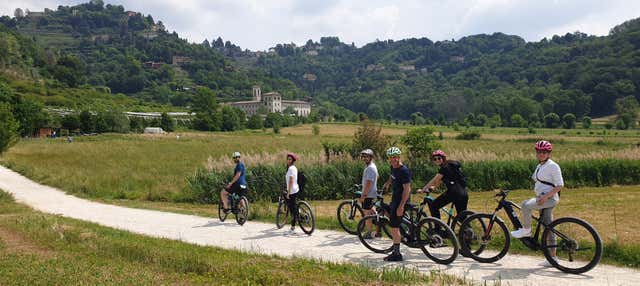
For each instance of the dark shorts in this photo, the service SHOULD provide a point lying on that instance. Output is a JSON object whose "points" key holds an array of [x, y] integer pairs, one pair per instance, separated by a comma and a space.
{"points": [[394, 220], [237, 189], [367, 204]]}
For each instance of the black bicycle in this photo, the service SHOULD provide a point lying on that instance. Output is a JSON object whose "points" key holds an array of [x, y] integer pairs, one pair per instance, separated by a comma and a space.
{"points": [[306, 219], [434, 237], [574, 243], [350, 212], [239, 207]]}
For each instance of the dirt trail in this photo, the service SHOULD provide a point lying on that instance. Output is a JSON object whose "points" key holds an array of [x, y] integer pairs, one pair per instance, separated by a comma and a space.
{"points": [[264, 238]]}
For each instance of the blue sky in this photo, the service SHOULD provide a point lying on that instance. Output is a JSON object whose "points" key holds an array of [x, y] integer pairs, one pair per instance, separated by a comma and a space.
{"points": [[260, 24]]}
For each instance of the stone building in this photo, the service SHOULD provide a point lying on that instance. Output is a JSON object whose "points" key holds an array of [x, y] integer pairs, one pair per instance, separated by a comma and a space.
{"points": [[273, 103]]}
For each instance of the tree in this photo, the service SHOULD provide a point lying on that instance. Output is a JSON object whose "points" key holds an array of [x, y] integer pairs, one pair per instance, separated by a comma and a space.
{"points": [[552, 120], [273, 120], [205, 106], [71, 122], [230, 119], [586, 122], [86, 122], [569, 121], [368, 136], [495, 121], [518, 121], [166, 122], [8, 128], [420, 142], [255, 122], [627, 109], [416, 118]]}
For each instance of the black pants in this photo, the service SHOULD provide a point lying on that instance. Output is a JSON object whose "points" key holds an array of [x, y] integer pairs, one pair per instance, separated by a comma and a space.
{"points": [[293, 208], [456, 194]]}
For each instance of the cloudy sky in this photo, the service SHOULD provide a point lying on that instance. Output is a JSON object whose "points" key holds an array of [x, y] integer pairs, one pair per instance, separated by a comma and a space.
{"points": [[260, 24]]}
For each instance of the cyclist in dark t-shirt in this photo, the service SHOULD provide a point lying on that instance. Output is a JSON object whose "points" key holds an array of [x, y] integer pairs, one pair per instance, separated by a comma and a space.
{"points": [[450, 173], [400, 181]]}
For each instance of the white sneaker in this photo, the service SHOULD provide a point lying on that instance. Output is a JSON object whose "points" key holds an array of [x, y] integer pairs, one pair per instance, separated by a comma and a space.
{"points": [[290, 231], [546, 263], [521, 232]]}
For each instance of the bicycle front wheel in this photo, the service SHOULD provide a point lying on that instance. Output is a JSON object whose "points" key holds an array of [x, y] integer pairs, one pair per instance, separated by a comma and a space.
{"points": [[243, 210], [574, 243], [483, 238], [306, 218], [349, 215], [282, 215], [437, 240], [375, 233]]}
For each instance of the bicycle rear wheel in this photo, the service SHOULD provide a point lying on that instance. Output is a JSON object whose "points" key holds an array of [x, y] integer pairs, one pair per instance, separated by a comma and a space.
{"points": [[243, 210], [349, 215], [282, 215], [484, 240], [437, 240], [306, 218], [375, 233], [575, 243]]}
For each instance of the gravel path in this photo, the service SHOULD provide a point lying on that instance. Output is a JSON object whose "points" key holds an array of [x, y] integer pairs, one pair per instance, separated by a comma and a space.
{"points": [[264, 238]]}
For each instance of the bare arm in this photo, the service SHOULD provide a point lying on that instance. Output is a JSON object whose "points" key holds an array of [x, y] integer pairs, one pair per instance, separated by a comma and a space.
{"points": [[435, 181], [406, 192]]}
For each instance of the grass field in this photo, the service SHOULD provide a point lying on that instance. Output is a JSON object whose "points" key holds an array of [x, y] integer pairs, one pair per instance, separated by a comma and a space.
{"points": [[155, 167], [41, 249]]}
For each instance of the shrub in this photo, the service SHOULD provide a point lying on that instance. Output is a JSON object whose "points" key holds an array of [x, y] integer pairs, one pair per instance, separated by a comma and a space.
{"points": [[552, 120], [468, 135], [315, 129], [369, 136], [8, 128], [586, 122], [569, 121]]}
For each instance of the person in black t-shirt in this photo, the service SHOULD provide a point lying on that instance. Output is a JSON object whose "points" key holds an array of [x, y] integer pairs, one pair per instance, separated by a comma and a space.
{"points": [[451, 175], [400, 182]]}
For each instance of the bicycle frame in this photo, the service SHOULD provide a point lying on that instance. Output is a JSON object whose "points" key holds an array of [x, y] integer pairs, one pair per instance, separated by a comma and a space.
{"points": [[532, 242]]}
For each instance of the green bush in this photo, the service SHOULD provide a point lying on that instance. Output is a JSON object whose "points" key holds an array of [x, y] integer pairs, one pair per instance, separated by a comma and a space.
{"points": [[333, 181], [468, 135]]}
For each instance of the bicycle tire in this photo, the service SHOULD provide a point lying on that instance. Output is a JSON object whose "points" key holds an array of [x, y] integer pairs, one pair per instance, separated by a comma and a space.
{"points": [[349, 222], [480, 225], [456, 224], [382, 244], [565, 242], [282, 214], [306, 218], [243, 212], [442, 247]]}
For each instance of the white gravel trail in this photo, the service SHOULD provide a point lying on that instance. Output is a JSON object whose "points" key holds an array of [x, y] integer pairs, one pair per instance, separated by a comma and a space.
{"points": [[265, 238]]}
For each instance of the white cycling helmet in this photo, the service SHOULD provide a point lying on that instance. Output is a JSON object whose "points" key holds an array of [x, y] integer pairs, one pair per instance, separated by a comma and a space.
{"points": [[236, 154]]}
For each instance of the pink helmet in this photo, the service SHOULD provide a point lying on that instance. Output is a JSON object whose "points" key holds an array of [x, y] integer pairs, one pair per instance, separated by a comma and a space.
{"points": [[439, 153], [543, 145], [293, 156]]}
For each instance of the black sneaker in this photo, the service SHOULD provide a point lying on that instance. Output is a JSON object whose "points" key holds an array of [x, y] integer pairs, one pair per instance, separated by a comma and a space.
{"points": [[393, 257], [226, 211]]}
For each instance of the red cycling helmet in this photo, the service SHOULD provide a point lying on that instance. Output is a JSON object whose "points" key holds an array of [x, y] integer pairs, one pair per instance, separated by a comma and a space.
{"points": [[293, 156], [439, 153], [543, 145]]}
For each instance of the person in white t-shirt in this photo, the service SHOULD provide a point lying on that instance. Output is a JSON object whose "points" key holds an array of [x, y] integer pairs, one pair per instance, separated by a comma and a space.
{"points": [[548, 183], [292, 189]]}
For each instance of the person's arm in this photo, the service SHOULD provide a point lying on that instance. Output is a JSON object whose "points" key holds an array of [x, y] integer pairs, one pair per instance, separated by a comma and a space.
{"points": [[406, 192], [434, 182], [557, 180], [290, 185], [234, 179]]}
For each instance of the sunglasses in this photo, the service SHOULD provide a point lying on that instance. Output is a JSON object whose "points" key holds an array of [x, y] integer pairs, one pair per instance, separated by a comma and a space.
{"points": [[437, 158]]}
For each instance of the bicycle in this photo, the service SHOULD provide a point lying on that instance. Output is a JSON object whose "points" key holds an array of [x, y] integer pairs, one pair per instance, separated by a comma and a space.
{"points": [[350, 212], [434, 237], [306, 219], [239, 207], [577, 245]]}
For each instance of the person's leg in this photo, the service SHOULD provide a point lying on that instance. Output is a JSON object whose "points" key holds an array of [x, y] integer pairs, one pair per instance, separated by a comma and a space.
{"points": [[546, 217], [224, 197], [461, 202], [438, 203], [293, 209], [394, 222], [367, 205], [527, 209]]}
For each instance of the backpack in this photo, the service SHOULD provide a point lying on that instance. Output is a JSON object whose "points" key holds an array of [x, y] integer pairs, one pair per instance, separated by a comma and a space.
{"points": [[302, 180]]}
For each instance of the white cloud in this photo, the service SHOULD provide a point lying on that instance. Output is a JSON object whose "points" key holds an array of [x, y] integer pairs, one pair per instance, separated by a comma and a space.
{"points": [[258, 24]]}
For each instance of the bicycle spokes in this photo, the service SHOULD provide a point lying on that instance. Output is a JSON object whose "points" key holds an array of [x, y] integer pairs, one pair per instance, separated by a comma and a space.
{"points": [[574, 243]]}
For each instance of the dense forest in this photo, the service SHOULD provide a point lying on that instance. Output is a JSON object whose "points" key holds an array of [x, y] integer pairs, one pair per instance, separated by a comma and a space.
{"points": [[493, 79]]}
